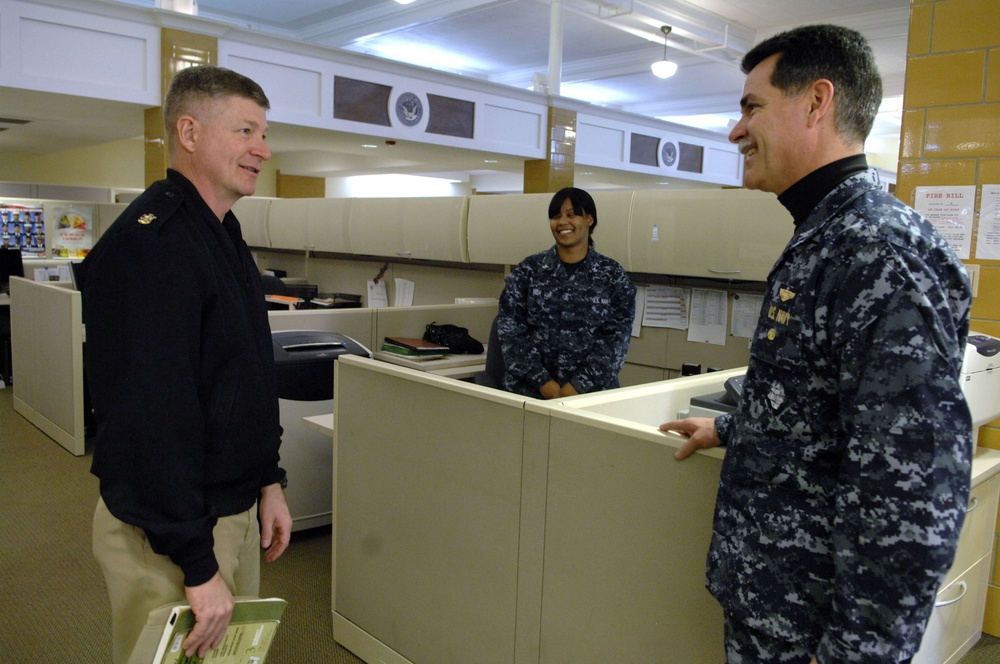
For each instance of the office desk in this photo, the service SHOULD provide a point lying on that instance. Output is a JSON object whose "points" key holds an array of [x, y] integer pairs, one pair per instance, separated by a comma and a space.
{"points": [[320, 423], [457, 366]]}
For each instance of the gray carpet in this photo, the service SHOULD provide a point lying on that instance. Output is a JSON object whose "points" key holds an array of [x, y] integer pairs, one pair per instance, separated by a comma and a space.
{"points": [[56, 609]]}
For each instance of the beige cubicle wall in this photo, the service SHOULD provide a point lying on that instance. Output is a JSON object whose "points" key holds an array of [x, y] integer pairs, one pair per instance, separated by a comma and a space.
{"points": [[47, 339], [627, 529], [659, 353], [429, 475], [457, 505], [47, 352]]}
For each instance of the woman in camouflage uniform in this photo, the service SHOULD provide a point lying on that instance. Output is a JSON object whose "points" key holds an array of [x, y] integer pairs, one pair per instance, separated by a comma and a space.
{"points": [[566, 313]]}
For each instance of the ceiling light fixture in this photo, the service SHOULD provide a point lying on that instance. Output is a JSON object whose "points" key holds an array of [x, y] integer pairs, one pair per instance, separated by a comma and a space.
{"points": [[664, 68], [404, 2]]}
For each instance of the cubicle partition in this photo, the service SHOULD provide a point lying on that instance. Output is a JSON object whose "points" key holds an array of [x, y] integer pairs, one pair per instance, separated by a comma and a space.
{"points": [[47, 339], [429, 481], [476, 525], [627, 529], [47, 343]]}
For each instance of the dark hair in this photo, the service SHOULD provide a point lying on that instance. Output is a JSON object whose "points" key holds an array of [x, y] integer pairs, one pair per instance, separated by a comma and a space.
{"points": [[582, 202], [838, 54], [195, 84]]}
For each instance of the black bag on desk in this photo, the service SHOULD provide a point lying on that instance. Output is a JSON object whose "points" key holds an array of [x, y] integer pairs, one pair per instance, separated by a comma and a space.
{"points": [[457, 339]]}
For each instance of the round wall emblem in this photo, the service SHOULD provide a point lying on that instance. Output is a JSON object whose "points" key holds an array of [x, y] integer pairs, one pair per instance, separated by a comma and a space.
{"points": [[668, 154], [409, 109]]}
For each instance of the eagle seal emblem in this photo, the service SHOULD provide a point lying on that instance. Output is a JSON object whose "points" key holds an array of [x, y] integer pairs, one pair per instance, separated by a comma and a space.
{"points": [[409, 109]]}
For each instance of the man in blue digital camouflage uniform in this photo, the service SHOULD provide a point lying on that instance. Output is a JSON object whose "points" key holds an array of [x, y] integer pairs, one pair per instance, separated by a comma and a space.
{"points": [[847, 466], [566, 313]]}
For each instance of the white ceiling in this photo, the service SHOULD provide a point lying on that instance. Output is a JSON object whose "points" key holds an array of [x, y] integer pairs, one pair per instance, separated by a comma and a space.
{"points": [[607, 48]]}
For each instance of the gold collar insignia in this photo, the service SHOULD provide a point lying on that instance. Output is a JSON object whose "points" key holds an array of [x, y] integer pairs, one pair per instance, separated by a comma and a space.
{"points": [[147, 219]]}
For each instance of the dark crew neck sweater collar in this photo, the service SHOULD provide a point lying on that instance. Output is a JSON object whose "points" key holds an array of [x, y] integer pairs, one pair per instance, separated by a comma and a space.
{"points": [[802, 197]]}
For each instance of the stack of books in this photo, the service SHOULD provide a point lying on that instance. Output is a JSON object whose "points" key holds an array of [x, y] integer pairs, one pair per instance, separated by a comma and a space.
{"points": [[416, 349]]}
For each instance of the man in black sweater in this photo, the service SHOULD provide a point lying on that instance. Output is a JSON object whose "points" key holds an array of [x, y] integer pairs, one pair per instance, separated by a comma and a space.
{"points": [[181, 376]]}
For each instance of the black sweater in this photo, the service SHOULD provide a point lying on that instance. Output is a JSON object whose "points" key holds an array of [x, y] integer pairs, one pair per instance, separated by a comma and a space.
{"points": [[180, 370]]}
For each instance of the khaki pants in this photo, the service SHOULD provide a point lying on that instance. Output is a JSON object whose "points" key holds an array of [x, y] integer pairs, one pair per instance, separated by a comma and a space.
{"points": [[140, 580]]}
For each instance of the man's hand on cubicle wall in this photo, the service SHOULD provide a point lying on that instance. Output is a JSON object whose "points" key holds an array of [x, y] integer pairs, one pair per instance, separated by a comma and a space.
{"points": [[699, 431]]}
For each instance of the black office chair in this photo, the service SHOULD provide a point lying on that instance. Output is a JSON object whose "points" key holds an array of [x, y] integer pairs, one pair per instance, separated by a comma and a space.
{"points": [[495, 368]]}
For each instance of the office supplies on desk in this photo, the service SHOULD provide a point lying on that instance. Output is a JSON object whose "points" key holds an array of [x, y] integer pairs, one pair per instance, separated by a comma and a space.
{"points": [[414, 346]]}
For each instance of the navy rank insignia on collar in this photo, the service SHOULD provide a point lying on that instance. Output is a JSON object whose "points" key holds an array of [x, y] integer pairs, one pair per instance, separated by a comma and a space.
{"points": [[147, 219], [785, 294]]}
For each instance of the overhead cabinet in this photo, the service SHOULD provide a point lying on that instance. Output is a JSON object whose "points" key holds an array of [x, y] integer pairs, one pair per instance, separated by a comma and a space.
{"points": [[431, 228], [734, 234], [313, 224], [252, 215], [717, 233]]}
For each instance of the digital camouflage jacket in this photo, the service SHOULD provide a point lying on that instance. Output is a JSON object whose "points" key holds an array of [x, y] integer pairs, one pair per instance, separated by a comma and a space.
{"points": [[847, 468], [569, 328]]}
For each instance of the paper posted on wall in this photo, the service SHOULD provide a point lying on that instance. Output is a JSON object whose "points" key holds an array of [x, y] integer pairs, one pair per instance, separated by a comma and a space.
{"points": [[248, 638]]}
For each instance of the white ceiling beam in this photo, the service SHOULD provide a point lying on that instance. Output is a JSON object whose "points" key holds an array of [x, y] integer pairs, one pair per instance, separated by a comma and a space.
{"points": [[386, 18]]}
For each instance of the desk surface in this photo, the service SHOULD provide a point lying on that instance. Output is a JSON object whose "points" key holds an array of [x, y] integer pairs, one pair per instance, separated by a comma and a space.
{"points": [[322, 423], [985, 464], [453, 366]]}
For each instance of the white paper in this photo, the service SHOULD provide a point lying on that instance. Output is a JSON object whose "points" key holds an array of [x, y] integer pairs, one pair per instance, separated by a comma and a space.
{"points": [[403, 295], [951, 210], [665, 306], [376, 294], [640, 302], [709, 314], [746, 311], [988, 239]]}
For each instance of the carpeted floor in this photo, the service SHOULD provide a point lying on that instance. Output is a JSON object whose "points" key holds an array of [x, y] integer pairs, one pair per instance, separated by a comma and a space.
{"points": [[55, 606]]}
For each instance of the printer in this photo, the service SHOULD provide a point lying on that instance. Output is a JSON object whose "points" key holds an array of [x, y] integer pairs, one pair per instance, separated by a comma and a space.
{"points": [[980, 378], [303, 364], [303, 361]]}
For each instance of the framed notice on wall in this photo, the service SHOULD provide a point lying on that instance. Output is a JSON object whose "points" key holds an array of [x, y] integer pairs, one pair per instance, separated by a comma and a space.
{"points": [[951, 210], [988, 239]]}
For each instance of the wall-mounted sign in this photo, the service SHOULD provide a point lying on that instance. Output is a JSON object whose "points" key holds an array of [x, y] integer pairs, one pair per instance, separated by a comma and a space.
{"points": [[951, 210]]}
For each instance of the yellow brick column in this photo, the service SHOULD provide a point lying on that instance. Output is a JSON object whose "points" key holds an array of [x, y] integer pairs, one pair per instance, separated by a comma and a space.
{"points": [[557, 169], [178, 50], [951, 136]]}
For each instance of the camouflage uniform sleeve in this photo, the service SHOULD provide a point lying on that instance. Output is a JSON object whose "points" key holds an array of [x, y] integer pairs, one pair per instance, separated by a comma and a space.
{"points": [[612, 336], [904, 475], [724, 428]]}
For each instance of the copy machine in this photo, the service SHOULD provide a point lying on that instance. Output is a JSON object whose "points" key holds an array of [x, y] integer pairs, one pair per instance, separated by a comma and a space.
{"points": [[981, 379], [303, 362]]}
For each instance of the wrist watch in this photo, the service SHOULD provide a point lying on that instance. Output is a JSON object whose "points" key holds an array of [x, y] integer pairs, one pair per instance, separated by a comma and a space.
{"points": [[284, 481]]}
